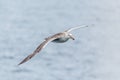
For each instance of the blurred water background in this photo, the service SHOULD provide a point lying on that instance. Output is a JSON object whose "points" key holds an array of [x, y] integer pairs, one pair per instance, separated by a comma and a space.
{"points": [[94, 55]]}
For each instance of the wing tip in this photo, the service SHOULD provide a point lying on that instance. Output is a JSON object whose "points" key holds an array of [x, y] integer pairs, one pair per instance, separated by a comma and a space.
{"points": [[21, 62], [26, 59]]}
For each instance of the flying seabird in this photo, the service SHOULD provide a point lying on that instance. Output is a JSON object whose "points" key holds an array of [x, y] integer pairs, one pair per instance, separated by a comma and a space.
{"points": [[58, 38]]}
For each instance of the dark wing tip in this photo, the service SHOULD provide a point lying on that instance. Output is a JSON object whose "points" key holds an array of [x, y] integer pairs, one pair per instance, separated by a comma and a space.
{"points": [[26, 59]]}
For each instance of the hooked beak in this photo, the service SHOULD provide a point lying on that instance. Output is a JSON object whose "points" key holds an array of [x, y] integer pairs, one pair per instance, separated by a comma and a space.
{"points": [[72, 37]]}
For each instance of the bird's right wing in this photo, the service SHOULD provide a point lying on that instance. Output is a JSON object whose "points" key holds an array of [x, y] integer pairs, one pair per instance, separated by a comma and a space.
{"points": [[41, 46], [73, 28]]}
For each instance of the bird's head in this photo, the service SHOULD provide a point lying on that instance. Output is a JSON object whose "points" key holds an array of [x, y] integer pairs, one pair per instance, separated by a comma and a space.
{"points": [[71, 36]]}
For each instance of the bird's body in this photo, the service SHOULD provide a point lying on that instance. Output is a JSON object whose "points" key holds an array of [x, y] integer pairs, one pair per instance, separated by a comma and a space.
{"points": [[63, 38], [60, 40], [57, 38]]}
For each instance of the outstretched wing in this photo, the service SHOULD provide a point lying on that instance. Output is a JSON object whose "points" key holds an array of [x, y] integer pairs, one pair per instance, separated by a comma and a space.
{"points": [[81, 26], [41, 46]]}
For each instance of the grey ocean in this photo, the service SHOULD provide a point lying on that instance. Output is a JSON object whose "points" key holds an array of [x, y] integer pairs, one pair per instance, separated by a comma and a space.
{"points": [[94, 55]]}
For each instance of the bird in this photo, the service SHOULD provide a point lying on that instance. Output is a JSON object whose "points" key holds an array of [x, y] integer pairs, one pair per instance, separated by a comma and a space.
{"points": [[60, 37]]}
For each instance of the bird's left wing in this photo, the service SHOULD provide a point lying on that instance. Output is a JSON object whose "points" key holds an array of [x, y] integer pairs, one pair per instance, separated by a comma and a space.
{"points": [[41, 46]]}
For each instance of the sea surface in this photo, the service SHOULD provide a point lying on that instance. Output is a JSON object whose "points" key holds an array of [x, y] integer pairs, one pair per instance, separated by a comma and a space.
{"points": [[93, 55]]}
